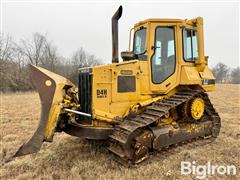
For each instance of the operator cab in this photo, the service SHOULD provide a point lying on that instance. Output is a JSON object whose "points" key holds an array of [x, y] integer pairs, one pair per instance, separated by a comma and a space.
{"points": [[164, 43]]}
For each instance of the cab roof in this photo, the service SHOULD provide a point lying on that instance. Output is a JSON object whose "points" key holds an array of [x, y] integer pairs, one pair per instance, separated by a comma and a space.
{"points": [[159, 20]]}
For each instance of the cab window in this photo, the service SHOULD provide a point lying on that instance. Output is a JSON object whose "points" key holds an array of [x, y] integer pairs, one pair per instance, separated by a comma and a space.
{"points": [[139, 44], [163, 60], [190, 45]]}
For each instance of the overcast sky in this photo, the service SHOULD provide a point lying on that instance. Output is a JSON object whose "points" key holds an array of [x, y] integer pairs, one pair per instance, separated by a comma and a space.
{"points": [[88, 25]]}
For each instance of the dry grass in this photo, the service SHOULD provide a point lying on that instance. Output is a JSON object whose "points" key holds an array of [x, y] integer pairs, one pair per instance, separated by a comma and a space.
{"points": [[73, 158]]}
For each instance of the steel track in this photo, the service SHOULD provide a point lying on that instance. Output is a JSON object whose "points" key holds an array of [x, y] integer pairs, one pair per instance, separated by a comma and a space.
{"points": [[122, 138]]}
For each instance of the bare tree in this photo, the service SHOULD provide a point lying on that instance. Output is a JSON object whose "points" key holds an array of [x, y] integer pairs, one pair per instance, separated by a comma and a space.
{"points": [[221, 72], [38, 50], [50, 58], [93, 61], [235, 76], [6, 48], [33, 49], [7, 66], [81, 59]]}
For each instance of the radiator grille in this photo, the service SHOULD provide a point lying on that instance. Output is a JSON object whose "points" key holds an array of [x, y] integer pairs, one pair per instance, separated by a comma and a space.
{"points": [[85, 94]]}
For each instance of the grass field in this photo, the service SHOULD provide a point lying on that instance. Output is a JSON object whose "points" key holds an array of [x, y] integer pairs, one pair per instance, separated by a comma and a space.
{"points": [[74, 158]]}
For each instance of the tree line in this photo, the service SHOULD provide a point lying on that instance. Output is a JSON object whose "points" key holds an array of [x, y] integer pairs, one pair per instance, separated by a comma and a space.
{"points": [[225, 74], [38, 50]]}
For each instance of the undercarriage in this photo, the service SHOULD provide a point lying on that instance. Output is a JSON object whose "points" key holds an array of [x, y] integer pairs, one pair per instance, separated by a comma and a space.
{"points": [[188, 115]]}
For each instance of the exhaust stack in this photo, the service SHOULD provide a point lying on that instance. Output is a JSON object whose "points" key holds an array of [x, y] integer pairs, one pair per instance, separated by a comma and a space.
{"points": [[115, 19]]}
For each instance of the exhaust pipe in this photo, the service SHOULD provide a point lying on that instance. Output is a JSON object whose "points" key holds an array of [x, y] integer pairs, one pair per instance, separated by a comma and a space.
{"points": [[115, 19]]}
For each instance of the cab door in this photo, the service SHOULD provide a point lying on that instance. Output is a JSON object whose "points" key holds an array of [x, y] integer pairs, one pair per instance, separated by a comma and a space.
{"points": [[163, 57]]}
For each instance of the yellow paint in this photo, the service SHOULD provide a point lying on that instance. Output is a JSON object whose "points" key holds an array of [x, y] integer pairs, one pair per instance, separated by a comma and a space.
{"points": [[186, 73], [197, 108], [190, 76], [57, 102], [118, 104], [55, 111]]}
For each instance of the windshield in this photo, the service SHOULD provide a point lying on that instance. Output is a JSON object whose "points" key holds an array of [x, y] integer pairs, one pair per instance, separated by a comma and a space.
{"points": [[139, 41]]}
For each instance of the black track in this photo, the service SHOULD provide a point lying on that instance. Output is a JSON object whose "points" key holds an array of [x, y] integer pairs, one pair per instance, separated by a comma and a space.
{"points": [[124, 133]]}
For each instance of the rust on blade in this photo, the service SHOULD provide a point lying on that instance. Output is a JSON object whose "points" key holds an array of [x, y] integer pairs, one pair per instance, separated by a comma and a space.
{"points": [[46, 88], [50, 87]]}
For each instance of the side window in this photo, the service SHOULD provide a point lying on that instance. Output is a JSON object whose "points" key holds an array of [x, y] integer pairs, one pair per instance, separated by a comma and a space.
{"points": [[163, 60], [190, 45], [194, 45], [187, 43]]}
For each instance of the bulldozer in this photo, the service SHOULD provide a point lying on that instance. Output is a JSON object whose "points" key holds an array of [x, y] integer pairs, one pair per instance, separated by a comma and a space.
{"points": [[154, 98]]}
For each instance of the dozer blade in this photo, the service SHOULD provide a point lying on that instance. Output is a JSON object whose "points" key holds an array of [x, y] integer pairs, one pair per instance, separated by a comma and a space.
{"points": [[51, 88]]}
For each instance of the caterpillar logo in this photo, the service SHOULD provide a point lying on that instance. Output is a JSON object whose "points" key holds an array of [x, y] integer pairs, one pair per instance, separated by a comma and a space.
{"points": [[101, 93]]}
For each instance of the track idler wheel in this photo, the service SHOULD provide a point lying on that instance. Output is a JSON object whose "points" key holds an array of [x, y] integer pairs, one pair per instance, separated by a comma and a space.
{"points": [[197, 108], [193, 109]]}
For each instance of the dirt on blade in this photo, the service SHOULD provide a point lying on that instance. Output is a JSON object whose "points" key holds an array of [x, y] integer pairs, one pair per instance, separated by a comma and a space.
{"points": [[74, 158]]}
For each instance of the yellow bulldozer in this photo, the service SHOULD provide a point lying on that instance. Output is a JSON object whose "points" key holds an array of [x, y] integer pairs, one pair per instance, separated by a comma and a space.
{"points": [[155, 98]]}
